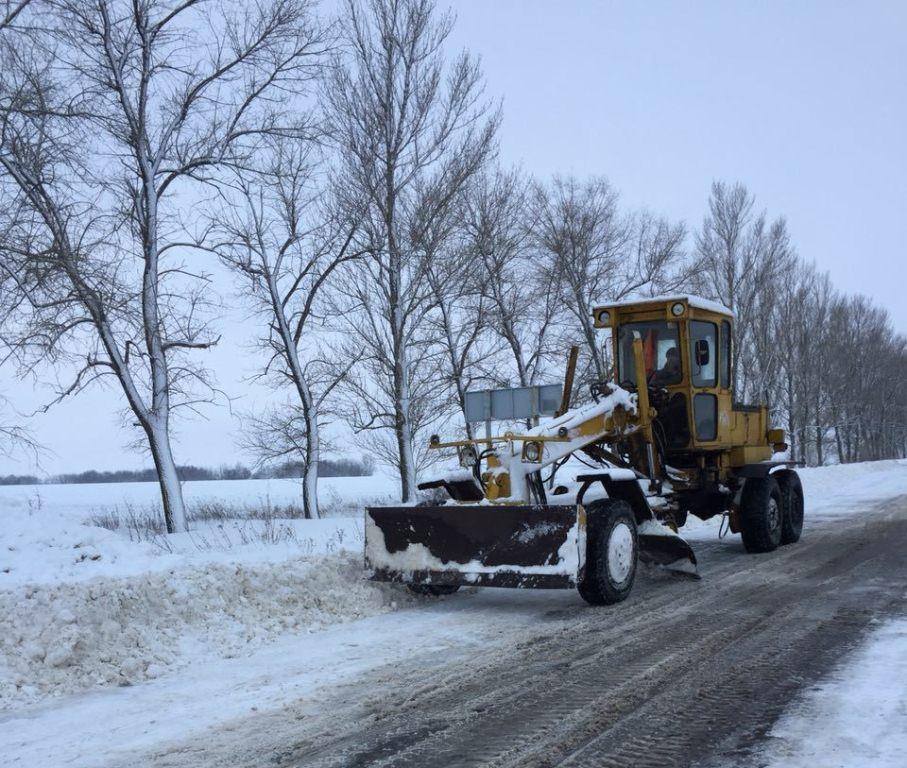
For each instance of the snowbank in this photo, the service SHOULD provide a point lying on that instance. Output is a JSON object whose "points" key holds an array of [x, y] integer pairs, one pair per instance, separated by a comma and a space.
{"points": [[845, 490], [82, 606], [49, 549], [47, 535], [62, 638], [849, 489]]}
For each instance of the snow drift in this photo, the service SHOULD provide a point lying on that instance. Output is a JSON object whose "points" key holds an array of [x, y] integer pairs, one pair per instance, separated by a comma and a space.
{"points": [[62, 638]]}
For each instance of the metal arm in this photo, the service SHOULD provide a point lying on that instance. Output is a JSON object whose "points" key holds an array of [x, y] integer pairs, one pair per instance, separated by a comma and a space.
{"points": [[644, 411]]}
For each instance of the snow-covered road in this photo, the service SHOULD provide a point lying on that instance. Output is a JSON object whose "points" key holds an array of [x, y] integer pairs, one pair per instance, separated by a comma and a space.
{"points": [[857, 717], [415, 680]]}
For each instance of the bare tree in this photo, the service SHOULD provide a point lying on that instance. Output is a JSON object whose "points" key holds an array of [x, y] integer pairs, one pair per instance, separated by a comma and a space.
{"points": [[522, 305], [106, 134], [286, 243], [742, 262], [15, 438], [596, 255], [410, 132], [10, 10], [458, 319]]}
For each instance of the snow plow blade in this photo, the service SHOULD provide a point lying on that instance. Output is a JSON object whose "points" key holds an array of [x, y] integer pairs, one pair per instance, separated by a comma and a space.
{"points": [[487, 546], [659, 545]]}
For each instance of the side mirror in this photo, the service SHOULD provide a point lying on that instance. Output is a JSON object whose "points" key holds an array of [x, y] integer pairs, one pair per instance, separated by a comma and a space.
{"points": [[701, 351]]}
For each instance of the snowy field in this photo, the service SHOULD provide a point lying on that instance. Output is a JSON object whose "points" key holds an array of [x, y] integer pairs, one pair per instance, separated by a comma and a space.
{"points": [[78, 501], [50, 532], [99, 627]]}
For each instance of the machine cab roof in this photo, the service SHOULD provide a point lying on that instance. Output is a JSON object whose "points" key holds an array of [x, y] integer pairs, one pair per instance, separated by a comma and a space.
{"points": [[676, 307]]}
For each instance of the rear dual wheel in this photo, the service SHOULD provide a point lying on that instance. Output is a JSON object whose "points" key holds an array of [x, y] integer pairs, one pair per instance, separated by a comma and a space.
{"points": [[792, 497], [771, 511], [612, 551]]}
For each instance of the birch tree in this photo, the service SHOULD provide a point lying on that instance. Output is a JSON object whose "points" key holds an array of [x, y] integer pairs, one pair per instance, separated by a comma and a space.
{"points": [[108, 133], [286, 243], [410, 131]]}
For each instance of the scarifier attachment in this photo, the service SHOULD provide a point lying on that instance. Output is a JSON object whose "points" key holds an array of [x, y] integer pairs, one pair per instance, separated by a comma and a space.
{"points": [[480, 545]]}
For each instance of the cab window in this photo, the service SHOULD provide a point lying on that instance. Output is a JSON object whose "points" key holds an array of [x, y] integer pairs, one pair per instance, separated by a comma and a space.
{"points": [[705, 416], [661, 352], [703, 353], [726, 354]]}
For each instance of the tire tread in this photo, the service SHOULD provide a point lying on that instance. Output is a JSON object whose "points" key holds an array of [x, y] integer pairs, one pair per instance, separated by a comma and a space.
{"points": [[596, 587], [755, 532]]}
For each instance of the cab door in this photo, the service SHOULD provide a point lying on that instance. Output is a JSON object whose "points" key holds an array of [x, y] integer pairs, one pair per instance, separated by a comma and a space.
{"points": [[704, 383]]}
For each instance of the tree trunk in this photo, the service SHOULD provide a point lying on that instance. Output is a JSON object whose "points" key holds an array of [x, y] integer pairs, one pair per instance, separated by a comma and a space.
{"points": [[461, 400], [310, 492], [402, 424], [168, 478], [312, 459], [404, 429], [312, 437], [306, 402], [591, 337], [839, 444], [791, 424]]}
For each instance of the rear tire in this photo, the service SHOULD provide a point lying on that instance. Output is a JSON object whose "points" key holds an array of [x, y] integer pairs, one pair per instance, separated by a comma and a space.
{"points": [[612, 551], [792, 496], [761, 514]]}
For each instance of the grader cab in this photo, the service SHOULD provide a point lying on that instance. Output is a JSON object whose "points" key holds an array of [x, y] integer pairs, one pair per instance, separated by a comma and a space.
{"points": [[687, 354], [662, 441]]}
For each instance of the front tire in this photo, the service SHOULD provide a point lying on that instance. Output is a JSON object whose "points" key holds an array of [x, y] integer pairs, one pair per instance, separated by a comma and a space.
{"points": [[761, 514], [792, 496], [612, 551]]}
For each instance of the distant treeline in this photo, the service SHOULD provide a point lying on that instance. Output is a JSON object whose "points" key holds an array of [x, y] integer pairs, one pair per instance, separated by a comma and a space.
{"points": [[343, 467]]}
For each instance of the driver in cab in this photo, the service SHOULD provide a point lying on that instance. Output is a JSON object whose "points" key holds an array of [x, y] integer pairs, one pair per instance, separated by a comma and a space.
{"points": [[670, 372]]}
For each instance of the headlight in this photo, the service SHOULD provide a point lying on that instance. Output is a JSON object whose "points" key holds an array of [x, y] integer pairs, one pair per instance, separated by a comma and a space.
{"points": [[532, 452], [677, 309]]}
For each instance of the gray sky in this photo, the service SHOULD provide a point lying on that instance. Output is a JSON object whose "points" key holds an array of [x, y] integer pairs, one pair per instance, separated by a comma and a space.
{"points": [[805, 102]]}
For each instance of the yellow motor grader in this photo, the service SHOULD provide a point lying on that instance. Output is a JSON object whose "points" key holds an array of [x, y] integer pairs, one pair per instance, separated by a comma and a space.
{"points": [[664, 440]]}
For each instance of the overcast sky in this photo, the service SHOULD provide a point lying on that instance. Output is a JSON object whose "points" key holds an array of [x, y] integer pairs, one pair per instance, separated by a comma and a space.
{"points": [[804, 102]]}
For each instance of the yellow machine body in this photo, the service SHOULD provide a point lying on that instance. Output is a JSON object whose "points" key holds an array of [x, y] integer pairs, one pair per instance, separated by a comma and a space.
{"points": [[663, 443]]}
